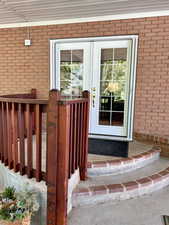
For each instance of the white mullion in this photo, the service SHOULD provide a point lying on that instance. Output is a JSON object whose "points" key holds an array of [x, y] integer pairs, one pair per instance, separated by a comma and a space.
{"points": [[111, 109]]}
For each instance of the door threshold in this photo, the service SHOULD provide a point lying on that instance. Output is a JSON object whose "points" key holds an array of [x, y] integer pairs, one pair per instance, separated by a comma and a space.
{"points": [[113, 138]]}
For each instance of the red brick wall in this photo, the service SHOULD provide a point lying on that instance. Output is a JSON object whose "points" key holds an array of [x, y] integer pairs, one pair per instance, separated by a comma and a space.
{"points": [[23, 68]]}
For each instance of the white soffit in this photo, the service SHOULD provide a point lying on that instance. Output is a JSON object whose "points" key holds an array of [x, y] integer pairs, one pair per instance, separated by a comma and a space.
{"points": [[20, 13]]}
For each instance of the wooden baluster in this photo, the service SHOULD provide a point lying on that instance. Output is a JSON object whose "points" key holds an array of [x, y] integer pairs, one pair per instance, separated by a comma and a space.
{"points": [[29, 140], [83, 167], [1, 134], [75, 136], [71, 140], [4, 135], [14, 136], [21, 129], [38, 132], [78, 135], [81, 134], [8, 135], [34, 96]]}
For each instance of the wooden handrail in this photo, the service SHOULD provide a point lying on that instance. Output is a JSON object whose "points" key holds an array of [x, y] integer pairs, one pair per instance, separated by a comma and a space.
{"points": [[40, 101], [72, 101], [24, 101]]}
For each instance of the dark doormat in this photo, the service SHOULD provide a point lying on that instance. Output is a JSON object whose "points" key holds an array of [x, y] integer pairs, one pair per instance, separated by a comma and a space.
{"points": [[108, 147]]}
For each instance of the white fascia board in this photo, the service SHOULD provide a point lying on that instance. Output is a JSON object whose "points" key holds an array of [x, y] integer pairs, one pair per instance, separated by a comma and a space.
{"points": [[88, 19]]}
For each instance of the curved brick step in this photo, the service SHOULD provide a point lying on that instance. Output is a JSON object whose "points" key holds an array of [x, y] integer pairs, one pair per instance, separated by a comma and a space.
{"points": [[121, 166], [139, 185]]}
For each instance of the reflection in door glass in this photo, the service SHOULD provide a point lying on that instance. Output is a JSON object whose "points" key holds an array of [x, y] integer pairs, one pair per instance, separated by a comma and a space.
{"points": [[71, 72], [112, 86]]}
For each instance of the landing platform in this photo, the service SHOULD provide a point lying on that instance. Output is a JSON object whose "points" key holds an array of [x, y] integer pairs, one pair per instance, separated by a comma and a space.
{"points": [[135, 148]]}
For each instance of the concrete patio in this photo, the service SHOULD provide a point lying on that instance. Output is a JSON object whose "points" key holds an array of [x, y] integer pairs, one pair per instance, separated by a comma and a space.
{"points": [[146, 210]]}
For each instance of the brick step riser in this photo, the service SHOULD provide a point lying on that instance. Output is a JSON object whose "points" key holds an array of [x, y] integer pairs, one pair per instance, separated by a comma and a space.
{"points": [[102, 197], [124, 167]]}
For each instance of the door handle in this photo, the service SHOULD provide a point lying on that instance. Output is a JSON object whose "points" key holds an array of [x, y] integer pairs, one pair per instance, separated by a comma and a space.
{"points": [[93, 96]]}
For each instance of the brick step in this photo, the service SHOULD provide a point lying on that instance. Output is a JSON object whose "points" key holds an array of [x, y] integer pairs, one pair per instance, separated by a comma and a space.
{"points": [[114, 188], [120, 166]]}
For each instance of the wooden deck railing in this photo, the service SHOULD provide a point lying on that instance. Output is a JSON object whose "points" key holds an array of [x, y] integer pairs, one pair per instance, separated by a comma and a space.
{"points": [[52, 154], [20, 122]]}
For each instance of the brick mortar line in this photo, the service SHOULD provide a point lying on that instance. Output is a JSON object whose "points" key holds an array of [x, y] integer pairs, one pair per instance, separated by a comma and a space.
{"points": [[152, 182], [124, 188], [139, 185], [107, 189], [134, 160]]}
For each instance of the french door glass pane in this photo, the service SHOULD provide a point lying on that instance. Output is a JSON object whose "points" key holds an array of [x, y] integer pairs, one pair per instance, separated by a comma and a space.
{"points": [[71, 72], [104, 118], [112, 86], [107, 56], [65, 56], [106, 72]]}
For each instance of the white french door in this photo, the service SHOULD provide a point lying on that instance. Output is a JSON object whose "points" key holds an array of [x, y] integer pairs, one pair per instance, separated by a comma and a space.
{"points": [[110, 88], [107, 69]]}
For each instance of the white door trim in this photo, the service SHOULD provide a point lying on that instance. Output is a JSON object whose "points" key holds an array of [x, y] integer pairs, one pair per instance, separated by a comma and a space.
{"points": [[134, 40], [100, 38]]}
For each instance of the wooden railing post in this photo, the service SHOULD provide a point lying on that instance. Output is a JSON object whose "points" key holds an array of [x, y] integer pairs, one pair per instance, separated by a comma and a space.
{"points": [[1, 135], [85, 127], [52, 139], [63, 163], [34, 93], [58, 125]]}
